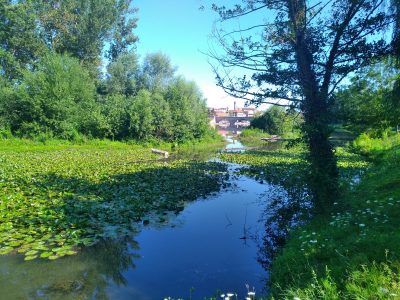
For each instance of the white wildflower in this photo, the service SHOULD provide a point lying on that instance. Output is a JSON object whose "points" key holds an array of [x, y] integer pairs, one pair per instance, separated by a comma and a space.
{"points": [[383, 290]]}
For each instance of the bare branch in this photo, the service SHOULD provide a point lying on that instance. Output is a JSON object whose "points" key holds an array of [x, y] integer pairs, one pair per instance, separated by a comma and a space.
{"points": [[234, 16], [244, 30]]}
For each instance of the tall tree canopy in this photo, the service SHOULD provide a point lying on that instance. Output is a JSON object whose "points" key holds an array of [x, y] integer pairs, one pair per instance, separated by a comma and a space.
{"points": [[297, 55], [20, 44], [80, 28]]}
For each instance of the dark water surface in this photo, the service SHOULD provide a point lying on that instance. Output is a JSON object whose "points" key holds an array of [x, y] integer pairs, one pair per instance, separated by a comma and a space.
{"points": [[211, 245]]}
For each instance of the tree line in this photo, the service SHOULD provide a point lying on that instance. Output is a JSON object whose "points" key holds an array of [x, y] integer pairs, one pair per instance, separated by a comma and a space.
{"points": [[53, 82]]}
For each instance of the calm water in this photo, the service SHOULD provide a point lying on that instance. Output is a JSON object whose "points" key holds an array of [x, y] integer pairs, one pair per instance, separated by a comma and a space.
{"points": [[212, 245]]}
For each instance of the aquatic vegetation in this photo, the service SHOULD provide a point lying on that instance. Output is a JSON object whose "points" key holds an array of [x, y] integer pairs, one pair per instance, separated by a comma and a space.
{"points": [[53, 202], [288, 167]]}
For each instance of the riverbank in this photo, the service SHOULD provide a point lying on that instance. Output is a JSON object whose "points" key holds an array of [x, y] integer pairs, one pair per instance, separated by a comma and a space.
{"points": [[354, 253], [58, 196]]}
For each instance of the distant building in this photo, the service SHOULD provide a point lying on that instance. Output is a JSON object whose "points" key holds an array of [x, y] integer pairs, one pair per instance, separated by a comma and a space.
{"points": [[247, 112], [231, 120]]}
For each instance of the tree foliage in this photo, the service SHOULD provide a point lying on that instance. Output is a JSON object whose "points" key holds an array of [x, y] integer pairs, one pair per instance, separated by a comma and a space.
{"points": [[278, 121], [51, 84], [57, 99], [367, 103], [157, 72], [122, 75], [297, 56], [81, 28], [20, 43]]}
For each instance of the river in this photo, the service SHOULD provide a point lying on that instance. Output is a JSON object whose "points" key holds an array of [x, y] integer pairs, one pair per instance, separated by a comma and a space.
{"points": [[211, 247]]}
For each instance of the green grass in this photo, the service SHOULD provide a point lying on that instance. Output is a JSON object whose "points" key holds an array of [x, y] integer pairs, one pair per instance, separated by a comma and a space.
{"points": [[353, 253], [56, 197], [359, 244]]}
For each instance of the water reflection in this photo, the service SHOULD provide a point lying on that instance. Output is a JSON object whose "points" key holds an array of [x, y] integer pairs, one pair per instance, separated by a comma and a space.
{"points": [[285, 209], [84, 276]]}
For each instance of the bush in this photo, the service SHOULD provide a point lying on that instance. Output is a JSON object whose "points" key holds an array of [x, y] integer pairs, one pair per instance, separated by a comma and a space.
{"points": [[367, 145], [56, 99], [277, 121]]}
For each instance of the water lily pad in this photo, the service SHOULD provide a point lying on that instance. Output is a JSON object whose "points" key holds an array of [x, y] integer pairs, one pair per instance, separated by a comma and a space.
{"points": [[30, 257], [31, 253], [6, 250], [45, 254]]}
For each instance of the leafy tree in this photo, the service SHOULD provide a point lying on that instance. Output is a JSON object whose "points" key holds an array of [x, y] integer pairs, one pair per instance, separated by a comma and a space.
{"points": [[114, 110], [301, 57], [162, 116], [122, 33], [20, 45], [188, 109], [367, 103], [396, 50], [276, 120], [57, 98], [157, 72], [122, 74], [81, 28], [396, 29], [141, 125]]}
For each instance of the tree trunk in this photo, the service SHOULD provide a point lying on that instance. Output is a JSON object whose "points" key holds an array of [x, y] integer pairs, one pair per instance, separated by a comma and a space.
{"points": [[323, 179]]}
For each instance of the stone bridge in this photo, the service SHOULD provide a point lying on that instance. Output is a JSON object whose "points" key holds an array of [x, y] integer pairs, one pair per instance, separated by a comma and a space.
{"points": [[233, 124]]}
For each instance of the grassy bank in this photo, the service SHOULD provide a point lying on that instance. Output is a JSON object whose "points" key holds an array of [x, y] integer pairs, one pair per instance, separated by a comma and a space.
{"points": [[354, 253], [57, 196], [252, 137]]}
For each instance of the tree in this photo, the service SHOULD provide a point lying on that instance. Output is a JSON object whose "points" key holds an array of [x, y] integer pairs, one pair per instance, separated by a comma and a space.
{"points": [[20, 45], [300, 58], [396, 29], [188, 109], [122, 34], [57, 99], [396, 50], [163, 124], [157, 72], [366, 104], [122, 74], [277, 120], [82, 28], [141, 122]]}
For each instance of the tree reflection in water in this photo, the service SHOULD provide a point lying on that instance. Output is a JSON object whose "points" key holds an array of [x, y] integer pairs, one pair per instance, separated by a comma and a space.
{"points": [[83, 276], [285, 209]]}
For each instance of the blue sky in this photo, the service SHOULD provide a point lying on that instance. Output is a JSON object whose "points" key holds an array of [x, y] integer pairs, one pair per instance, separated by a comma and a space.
{"points": [[180, 30]]}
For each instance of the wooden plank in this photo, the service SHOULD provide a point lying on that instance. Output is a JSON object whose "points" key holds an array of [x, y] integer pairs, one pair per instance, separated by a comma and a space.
{"points": [[162, 152]]}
